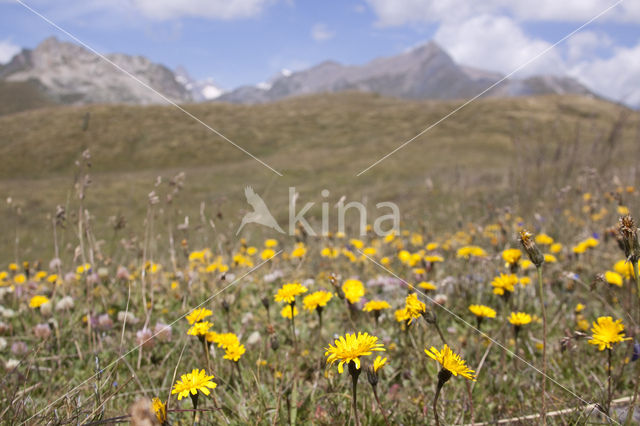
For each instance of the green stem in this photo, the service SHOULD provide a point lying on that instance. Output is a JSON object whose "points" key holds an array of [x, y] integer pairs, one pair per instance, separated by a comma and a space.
{"points": [[355, 373], [608, 405], [543, 411], [293, 328], [632, 408], [435, 404]]}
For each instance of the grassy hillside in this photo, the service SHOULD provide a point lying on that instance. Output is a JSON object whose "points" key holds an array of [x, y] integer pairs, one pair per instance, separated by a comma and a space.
{"points": [[22, 96], [483, 156]]}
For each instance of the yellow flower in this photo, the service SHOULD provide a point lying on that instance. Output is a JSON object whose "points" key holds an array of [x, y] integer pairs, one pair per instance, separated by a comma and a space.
{"points": [[590, 242], [511, 256], [350, 348], [83, 268], [404, 256], [234, 352], [160, 409], [289, 291], [432, 246], [623, 210], [53, 278], [197, 256], [251, 250], [267, 253], [544, 239], [555, 248], [329, 252], [414, 308], [375, 305], [299, 250], [579, 308], [37, 301], [193, 382], [433, 259], [370, 251], [482, 311], [353, 290], [582, 324], [241, 260], [289, 312], [198, 315], [270, 243], [624, 268], [13, 267], [316, 299], [199, 328], [580, 248], [613, 278], [504, 282], [356, 243], [223, 340], [20, 279], [427, 286], [379, 363], [402, 315], [525, 281], [519, 318], [526, 264], [606, 332], [549, 258], [416, 239], [470, 251], [451, 362]]}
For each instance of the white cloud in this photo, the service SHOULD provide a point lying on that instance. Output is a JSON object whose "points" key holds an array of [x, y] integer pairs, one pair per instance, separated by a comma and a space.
{"points": [[616, 77], [399, 12], [7, 50], [320, 32], [585, 44], [497, 43], [214, 9]]}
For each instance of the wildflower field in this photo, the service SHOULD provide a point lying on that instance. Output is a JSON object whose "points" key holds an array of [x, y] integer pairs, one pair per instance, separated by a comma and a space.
{"points": [[510, 291]]}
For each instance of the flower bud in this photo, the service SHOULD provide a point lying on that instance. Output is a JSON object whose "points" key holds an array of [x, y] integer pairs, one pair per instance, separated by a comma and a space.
{"points": [[629, 238], [534, 253], [372, 377]]}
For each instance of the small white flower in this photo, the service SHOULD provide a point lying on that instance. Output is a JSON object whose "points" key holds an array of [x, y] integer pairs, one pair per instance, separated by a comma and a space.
{"points": [[11, 364], [64, 303], [130, 318]]}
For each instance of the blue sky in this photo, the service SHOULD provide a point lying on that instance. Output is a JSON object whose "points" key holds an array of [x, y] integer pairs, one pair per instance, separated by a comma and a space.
{"points": [[245, 41]]}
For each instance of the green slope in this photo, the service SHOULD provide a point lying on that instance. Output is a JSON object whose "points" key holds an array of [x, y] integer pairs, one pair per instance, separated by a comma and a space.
{"points": [[490, 149]]}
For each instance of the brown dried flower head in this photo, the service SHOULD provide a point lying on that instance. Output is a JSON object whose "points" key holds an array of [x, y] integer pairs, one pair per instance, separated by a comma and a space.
{"points": [[529, 245], [629, 238]]}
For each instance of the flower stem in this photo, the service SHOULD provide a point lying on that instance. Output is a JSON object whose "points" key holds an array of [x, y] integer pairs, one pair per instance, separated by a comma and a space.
{"points": [[635, 392], [293, 328], [608, 406], [435, 404], [632, 407], [543, 408], [375, 394], [355, 373]]}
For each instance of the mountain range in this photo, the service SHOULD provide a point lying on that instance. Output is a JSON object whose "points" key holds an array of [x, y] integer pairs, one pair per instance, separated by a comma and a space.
{"points": [[67, 73]]}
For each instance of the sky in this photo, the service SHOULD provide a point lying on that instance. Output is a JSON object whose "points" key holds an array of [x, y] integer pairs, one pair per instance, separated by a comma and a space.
{"points": [[238, 42]]}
